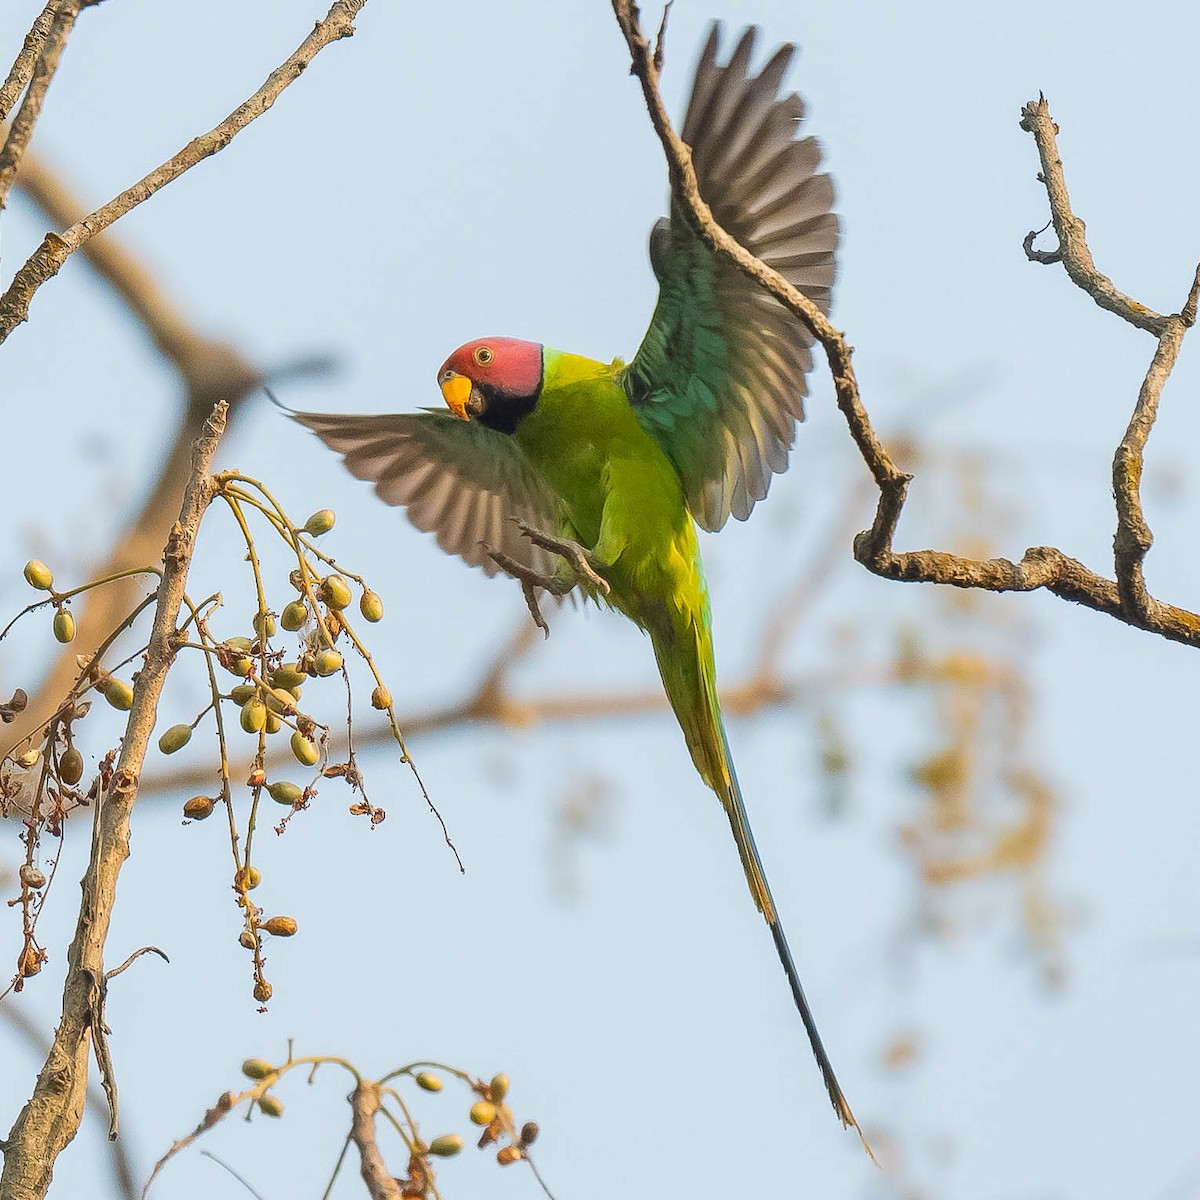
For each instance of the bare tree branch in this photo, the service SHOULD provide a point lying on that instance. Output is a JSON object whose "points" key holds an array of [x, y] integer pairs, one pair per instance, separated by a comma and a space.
{"points": [[364, 1104], [1041, 566], [22, 68], [51, 1117], [44, 68], [48, 259]]}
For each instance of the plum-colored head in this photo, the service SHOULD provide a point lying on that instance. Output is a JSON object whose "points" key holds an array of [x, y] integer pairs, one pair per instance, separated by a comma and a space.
{"points": [[496, 381]]}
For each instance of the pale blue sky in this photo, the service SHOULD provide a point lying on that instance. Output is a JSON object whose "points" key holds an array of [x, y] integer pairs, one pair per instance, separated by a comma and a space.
{"points": [[472, 168]]}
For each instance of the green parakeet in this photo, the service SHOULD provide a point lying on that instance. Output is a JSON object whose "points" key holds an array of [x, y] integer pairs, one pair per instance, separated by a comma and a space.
{"points": [[564, 471]]}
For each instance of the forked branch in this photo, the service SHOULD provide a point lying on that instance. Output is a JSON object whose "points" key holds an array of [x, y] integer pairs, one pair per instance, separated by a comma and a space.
{"points": [[1124, 597]]}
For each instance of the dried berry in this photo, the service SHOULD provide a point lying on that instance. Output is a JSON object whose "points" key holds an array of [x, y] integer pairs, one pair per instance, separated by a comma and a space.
{"points": [[263, 991], [529, 1133], [381, 698], [508, 1155], [31, 877], [198, 808], [247, 878], [280, 926], [70, 766]]}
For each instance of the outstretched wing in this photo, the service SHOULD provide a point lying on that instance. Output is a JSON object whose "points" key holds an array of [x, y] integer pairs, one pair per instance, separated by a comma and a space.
{"points": [[456, 479], [719, 378]]}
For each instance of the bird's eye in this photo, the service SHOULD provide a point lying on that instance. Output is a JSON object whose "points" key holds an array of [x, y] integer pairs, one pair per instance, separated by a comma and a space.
{"points": [[446, 374], [483, 356]]}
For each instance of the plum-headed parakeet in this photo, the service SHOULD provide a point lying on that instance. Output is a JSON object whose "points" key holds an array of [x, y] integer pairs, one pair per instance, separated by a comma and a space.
{"points": [[566, 472]]}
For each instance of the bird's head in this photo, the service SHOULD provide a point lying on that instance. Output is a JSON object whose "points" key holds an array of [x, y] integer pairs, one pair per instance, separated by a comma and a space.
{"points": [[496, 381]]}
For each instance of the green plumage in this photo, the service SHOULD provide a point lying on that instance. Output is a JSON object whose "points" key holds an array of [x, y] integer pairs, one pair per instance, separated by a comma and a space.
{"points": [[617, 464]]}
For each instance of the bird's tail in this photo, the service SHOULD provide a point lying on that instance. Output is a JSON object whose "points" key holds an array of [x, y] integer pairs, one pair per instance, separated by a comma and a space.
{"points": [[683, 648]]}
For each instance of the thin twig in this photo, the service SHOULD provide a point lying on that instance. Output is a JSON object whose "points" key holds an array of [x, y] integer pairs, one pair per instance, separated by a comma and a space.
{"points": [[22, 68], [44, 69], [1072, 239], [48, 259]]}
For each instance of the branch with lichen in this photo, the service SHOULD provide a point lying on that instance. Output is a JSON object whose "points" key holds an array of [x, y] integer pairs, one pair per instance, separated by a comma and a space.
{"points": [[1125, 596]]}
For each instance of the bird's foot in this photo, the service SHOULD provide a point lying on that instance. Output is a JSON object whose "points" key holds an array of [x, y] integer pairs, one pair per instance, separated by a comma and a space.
{"points": [[580, 560], [575, 556]]}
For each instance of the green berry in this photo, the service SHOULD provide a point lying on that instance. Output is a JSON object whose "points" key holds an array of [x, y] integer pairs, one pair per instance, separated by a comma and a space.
{"points": [[328, 662], [305, 751], [118, 693], [320, 522], [288, 675], [446, 1146], [38, 575], [175, 738], [371, 606], [64, 626], [254, 715], [294, 615], [336, 592], [284, 792], [257, 1068], [483, 1112], [428, 1082], [243, 692]]}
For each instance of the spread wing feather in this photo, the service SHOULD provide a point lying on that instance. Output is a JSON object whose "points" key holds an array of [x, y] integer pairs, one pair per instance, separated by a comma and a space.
{"points": [[456, 479], [719, 378]]}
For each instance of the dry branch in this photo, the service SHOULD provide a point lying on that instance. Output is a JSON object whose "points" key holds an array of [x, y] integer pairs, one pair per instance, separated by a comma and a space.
{"points": [[364, 1104], [51, 1117], [44, 67], [22, 68], [1126, 599], [48, 259]]}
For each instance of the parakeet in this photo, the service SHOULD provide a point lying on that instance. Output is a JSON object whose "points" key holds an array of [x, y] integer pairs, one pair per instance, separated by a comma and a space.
{"points": [[564, 471]]}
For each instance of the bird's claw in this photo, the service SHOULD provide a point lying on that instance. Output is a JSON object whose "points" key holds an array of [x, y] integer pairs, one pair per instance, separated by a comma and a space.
{"points": [[575, 556]]}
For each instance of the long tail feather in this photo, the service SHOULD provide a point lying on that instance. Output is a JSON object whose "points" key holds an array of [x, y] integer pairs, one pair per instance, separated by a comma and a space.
{"points": [[683, 649]]}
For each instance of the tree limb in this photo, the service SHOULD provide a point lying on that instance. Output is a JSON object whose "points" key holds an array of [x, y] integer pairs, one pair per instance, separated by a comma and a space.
{"points": [[48, 259], [51, 1117], [1046, 567]]}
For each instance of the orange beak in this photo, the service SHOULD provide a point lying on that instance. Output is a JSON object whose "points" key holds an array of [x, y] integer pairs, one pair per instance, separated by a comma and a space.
{"points": [[457, 391]]}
